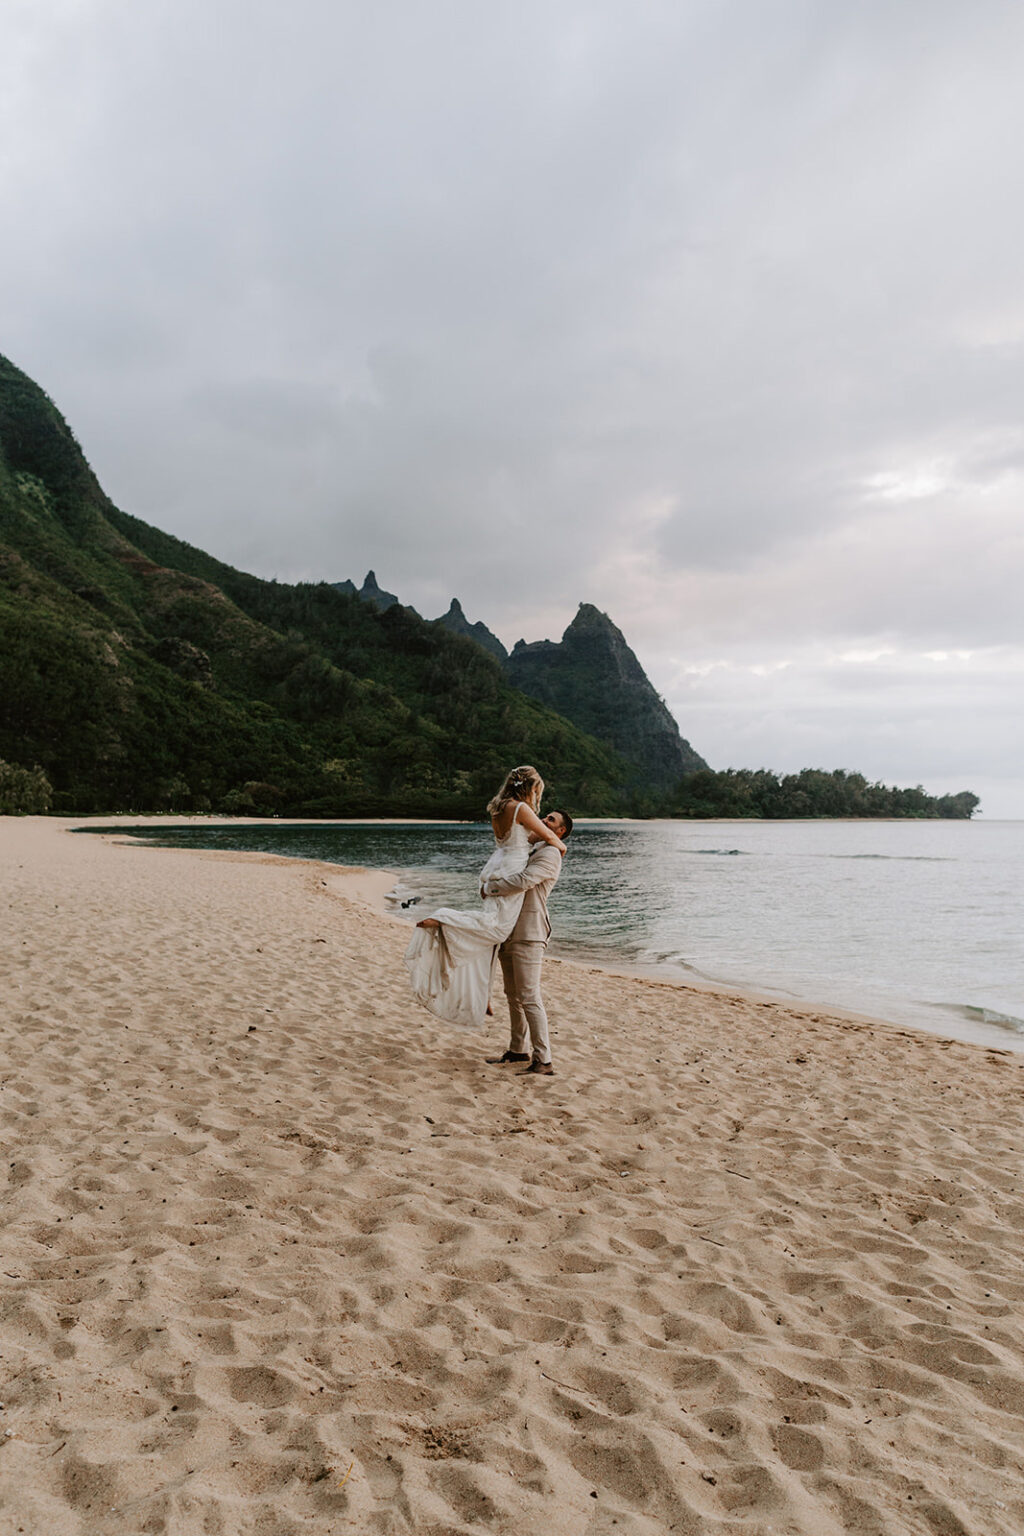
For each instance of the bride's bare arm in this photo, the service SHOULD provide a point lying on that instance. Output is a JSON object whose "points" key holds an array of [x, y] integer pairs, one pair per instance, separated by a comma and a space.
{"points": [[529, 819]]}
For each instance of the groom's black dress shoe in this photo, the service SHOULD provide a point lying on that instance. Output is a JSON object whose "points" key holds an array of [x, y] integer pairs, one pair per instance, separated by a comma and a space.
{"points": [[496, 1061], [541, 1068]]}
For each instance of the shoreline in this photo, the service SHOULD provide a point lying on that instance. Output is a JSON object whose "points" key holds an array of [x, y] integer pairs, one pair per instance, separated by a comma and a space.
{"points": [[370, 887], [217, 818], [281, 1252], [373, 885]]}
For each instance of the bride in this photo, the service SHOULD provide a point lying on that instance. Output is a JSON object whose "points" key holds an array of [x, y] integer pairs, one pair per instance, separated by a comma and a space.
{"points": [[451, 953]]}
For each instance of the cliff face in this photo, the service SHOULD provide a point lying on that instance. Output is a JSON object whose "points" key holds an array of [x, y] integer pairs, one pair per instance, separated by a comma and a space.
{"points": [[456, 621], [593, 678]]}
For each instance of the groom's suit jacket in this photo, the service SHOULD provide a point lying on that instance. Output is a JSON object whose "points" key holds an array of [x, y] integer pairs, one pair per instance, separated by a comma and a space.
{"points": [[543, 868]]}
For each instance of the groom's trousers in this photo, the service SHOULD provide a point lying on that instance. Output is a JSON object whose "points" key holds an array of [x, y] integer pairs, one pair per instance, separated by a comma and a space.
{"points": [[521, 961]]}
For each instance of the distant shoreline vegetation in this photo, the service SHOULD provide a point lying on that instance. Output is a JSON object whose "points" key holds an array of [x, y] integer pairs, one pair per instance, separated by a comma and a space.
{"points": [[812, 793]]}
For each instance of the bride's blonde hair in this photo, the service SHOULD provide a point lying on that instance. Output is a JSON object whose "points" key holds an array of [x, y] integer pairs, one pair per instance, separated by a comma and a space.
{"points": [[521, 784]]}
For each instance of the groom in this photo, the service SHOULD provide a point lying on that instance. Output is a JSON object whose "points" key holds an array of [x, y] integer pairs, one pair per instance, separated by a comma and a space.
{"points": [[522, 953]]}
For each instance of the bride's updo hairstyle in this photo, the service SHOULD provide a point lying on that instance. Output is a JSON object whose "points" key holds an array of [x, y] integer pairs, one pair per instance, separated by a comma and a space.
{"points": [[521, 784]]}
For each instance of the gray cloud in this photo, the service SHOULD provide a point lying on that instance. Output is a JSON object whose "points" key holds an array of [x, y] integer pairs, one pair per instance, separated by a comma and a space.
{"points": [[709, 313]]}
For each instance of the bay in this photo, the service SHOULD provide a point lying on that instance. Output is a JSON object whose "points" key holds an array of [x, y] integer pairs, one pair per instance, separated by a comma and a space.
{"points": [[915, 922]]}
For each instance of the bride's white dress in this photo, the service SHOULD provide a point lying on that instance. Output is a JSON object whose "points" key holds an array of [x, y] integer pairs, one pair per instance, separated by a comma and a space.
{"points": [[450, 966]]}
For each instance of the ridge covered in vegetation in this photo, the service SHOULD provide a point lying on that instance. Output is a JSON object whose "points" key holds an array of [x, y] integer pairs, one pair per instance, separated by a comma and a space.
{"points": [[141, 674]]}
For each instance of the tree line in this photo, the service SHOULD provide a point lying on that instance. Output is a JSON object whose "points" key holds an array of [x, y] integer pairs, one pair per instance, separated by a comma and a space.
{"points": [[812, 792], [735, 792]]}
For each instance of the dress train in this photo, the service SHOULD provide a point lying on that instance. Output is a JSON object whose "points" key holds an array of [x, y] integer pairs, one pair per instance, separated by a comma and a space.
{"points": [[451, 966]]}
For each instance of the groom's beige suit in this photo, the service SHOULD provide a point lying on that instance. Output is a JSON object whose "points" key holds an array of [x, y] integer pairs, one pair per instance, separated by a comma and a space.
{"points": [[522, 954]]}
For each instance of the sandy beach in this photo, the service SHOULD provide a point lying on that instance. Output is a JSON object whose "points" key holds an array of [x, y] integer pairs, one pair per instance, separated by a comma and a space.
{"points": [[280, 1254]]}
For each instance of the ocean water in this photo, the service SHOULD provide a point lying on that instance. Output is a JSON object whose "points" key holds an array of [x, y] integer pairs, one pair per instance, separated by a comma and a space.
{"points": [[917, 922]]}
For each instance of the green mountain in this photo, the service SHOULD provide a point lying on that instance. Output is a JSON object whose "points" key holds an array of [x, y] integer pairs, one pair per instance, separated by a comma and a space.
{"points": [[593, 678], [141, 674]]}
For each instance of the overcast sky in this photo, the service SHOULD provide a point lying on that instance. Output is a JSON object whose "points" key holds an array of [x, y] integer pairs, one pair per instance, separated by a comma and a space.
{"points": [[711, 314]]}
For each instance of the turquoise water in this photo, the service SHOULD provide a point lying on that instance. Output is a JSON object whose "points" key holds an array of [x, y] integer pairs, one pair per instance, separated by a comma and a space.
{"points": [[919, 923]]}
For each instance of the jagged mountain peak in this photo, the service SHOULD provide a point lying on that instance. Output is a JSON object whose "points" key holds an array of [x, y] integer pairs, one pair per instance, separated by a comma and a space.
{"points": [[456, 621], [587, 616], [593, 677], [370, 592]]}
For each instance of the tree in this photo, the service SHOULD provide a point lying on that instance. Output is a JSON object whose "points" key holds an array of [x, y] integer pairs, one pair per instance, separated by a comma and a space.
{"points": [[24, 791]]}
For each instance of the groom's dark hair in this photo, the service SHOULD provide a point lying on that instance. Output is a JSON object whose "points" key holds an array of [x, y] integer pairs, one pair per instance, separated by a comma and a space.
{"points": [[566, 822]]}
